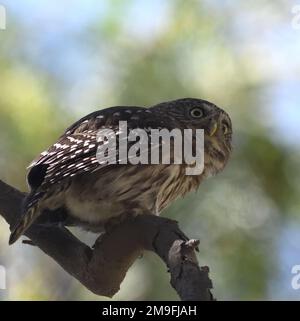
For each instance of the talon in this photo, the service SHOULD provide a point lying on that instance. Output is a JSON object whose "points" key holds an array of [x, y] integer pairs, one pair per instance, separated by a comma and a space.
{"points": [[28, 242], [193, 244]]}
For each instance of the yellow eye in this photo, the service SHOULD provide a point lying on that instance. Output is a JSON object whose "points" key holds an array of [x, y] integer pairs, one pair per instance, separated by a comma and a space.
{"points": [[225, 129], [196, 112]]}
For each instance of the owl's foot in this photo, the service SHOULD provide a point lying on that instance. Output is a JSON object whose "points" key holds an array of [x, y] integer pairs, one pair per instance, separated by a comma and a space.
{"points": [[28, 242]]}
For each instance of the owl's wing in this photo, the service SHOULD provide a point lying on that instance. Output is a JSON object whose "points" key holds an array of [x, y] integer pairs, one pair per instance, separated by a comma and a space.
{"points": [[75, 152]]}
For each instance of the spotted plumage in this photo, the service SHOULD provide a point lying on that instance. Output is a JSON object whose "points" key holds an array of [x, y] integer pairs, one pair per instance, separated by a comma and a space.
{"points": [[69, 175]]}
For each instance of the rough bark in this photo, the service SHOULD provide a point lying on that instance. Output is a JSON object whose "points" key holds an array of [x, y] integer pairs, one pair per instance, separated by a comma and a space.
{"points": [[103, 267]]}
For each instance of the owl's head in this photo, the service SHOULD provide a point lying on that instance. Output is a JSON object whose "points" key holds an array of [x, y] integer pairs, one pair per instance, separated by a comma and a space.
{"points": [[201, 114]]}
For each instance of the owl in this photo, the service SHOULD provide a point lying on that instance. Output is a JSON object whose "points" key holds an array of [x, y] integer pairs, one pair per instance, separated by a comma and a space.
{"points": [[97, 194]]}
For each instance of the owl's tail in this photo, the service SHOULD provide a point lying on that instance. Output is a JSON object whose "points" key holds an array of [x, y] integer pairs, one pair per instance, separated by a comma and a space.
{"points": [[27, 219], [32, 211]]}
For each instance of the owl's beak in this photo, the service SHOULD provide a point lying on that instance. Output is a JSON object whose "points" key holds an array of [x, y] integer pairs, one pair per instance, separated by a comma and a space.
{"points": [[213, 129]]}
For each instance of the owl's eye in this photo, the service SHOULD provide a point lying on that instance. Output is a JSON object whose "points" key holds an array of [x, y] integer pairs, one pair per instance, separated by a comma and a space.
{"points": [[225, 129], [196, 112]]}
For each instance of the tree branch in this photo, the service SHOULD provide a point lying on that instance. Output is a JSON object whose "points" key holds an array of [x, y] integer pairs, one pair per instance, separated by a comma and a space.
{"points": [[102, 268]]}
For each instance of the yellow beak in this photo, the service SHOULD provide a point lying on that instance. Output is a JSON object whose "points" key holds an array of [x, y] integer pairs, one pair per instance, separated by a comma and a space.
{"points": [[213, 129]]}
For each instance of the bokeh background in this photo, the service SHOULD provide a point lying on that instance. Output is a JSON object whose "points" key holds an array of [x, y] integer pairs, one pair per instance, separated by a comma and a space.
{"points": [[60, 60]]}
